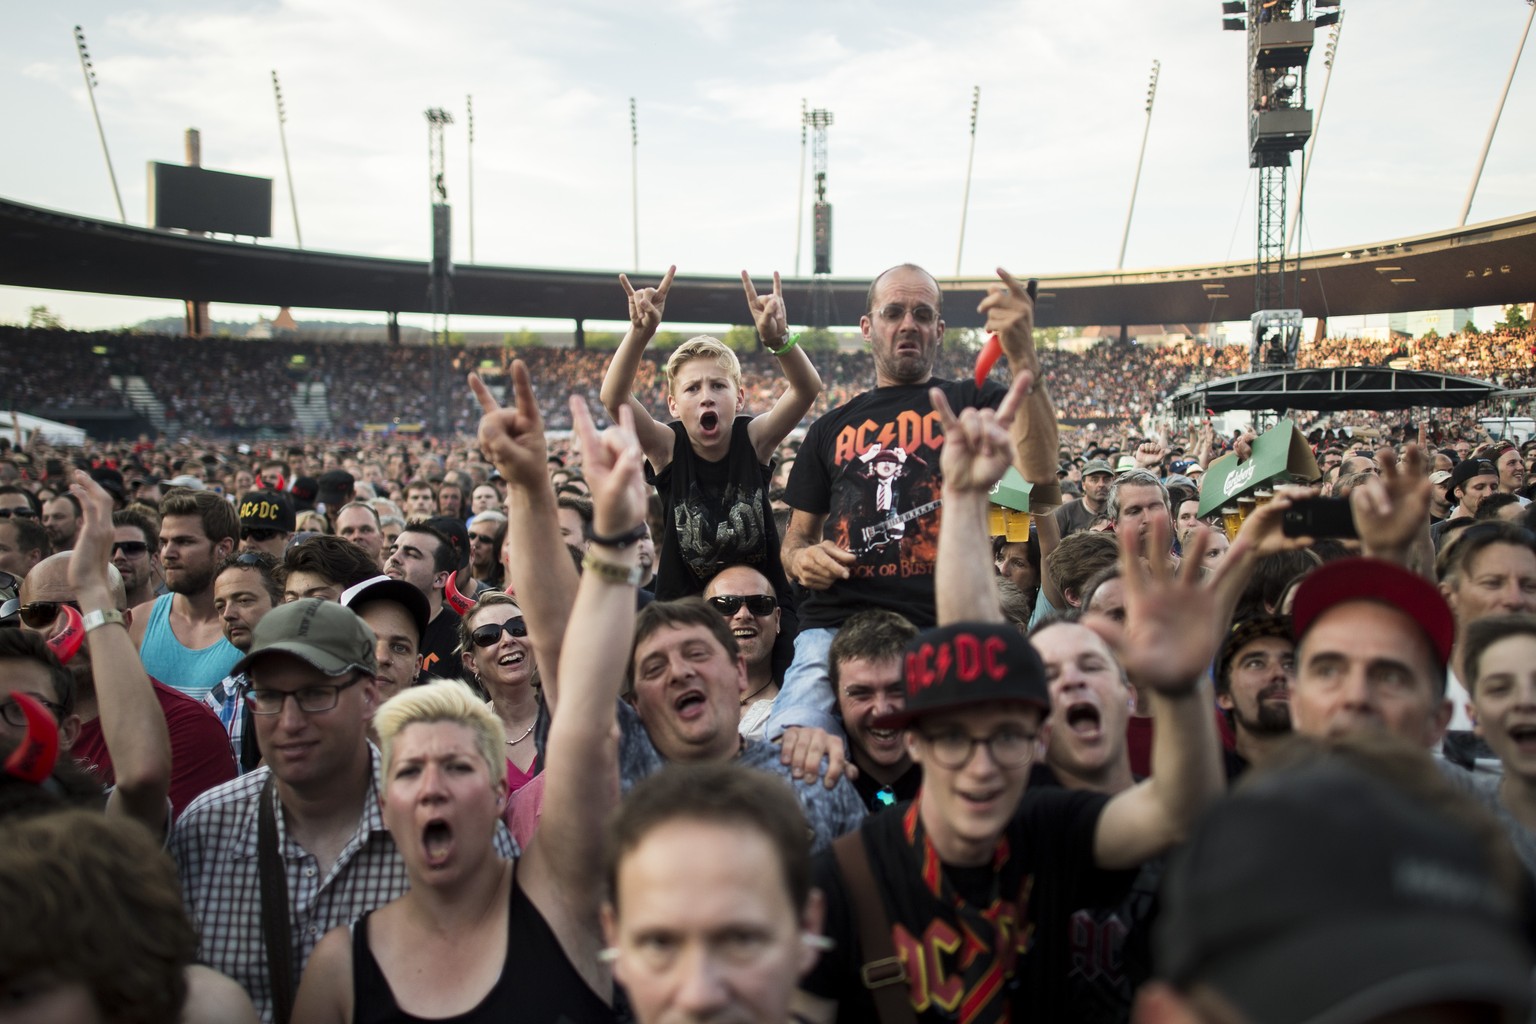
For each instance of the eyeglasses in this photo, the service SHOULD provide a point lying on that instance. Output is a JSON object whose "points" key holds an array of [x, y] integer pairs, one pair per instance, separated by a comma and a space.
{"points": [[130, 548], [480, 538], [41, 614], [311, 699], [9, 581], [1008, 748], [249, 558], [757, 604], [14, 715], [260, 535], [19, 513], [894, 313], [489, 634]]}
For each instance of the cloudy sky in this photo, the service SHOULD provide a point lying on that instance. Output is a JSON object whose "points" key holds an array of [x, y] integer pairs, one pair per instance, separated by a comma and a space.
{"points": [[719, 85]]}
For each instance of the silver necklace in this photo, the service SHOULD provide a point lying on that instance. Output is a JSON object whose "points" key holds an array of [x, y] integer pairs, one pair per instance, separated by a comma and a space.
{"points": [[513, 743]]}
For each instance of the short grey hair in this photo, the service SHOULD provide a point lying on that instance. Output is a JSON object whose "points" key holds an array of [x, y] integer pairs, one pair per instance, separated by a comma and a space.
{"points": [[1133, 478]]}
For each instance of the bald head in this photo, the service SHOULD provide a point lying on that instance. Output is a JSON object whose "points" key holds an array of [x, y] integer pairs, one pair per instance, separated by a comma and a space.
{"points": [[49, 581]]}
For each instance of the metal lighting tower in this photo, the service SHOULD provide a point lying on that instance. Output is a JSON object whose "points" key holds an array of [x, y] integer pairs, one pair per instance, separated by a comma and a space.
{"points": [[469, 105], [89, 71], [1157, 67], [634, 176], [1498, 110], [970, 162], [1280, 34], [821, 222], [800, 199], [282, 134]]}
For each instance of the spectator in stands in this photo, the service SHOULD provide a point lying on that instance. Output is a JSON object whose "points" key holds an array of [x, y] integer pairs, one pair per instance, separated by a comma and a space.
{"points": [[180, 637], [136, 554], [484, 499], [20, 503], [1136, 499], [499, 657], [1079, 515], [424, 558], [575, 516], [487, 536], [746, 599], [358, 522], [1473, 480], [450, 499], [397, 613], [23, 543], [245, 589], [864, 666], [420, 500], [61, 518], [323, 566], [266, 522]]}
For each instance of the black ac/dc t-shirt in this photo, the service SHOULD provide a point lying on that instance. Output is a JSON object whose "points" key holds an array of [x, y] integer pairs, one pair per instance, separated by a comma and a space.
{"points": [[872, 467], [986, 943]]}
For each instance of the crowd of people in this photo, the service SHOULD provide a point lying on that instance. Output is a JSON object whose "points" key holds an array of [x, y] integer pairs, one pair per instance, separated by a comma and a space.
{"points": [[222, 388], [629, 699]]}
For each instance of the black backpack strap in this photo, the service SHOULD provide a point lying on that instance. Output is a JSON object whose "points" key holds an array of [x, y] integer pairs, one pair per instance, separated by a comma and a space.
{"points": [[882, 971], [274, 907]]}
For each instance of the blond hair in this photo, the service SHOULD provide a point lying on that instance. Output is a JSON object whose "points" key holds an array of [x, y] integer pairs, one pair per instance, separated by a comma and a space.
{"points": [[703, 347], [445, 700]]}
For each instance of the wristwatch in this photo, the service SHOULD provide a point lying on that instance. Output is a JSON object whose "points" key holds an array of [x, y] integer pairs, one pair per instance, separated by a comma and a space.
{"points": [[610, 572], [102, 618]]}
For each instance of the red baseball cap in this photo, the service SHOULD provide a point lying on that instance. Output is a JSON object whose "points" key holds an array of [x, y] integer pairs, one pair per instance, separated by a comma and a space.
{"points": [[1371, 579]]}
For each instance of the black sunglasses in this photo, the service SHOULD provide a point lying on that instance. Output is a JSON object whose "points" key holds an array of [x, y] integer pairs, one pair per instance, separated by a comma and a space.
{"points": [[260, 535], [131, 548], [41, 614], [757, 604], [19, 513], [489, 634]]}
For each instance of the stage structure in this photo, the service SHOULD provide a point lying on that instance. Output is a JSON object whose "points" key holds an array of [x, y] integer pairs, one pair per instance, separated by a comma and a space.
{"points": [[1332, 389], [1279, 34]]}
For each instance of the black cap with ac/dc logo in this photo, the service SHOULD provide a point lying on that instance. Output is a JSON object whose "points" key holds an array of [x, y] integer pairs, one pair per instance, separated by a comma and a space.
{"points": [[266, 510], [968, 663]]}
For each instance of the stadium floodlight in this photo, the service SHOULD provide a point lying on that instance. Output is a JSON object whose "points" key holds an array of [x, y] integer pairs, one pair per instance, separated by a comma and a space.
{"points": [[1234, 7], [1234, 24], [1324, 20]]}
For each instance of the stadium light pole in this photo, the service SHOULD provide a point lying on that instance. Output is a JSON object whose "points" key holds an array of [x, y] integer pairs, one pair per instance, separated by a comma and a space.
{"points": [[1330, 53], [1146, 130], [1498, 110], [805, 119], [634, 176], [970, 162], [282, 134], [469, 105], [89, 71]]}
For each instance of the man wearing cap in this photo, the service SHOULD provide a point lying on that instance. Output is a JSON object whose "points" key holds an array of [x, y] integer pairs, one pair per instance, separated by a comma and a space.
{"points": [[335, 490], [1254, 673], [1471, 482], [424, 558], [266, 522], [397, 613], [980, 876], [314, 804], [1079, 515], [1349, 887]]}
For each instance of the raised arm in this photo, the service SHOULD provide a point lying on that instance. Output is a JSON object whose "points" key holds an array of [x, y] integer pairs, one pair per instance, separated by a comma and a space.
{"points": [[645, 309], [1167, 646], [562, 866], [768, 313], [977, 451], [132, 723], [1010, 313], [542, 579]]}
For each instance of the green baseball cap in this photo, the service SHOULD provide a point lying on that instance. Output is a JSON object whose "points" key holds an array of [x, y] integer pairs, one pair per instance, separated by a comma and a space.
{"points": [[322, 633]]}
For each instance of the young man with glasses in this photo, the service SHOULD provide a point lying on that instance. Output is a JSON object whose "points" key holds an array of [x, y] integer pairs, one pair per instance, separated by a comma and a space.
{"points": [[136, 554], [19, 503], [487, 534], [745, 597], [312, 669], [980, 877]]}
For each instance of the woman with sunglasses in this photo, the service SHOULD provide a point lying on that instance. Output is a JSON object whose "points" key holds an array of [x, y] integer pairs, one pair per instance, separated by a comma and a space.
{"points": [[499, 656]]}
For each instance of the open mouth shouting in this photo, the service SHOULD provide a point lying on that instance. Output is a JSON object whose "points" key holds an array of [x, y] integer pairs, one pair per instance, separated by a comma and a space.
{"points": [[1524, 735], [437, 842], [691, 705], [709, 421], [1084, 721]]}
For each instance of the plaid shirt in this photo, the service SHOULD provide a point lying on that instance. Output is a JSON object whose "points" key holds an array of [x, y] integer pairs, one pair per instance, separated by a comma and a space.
{"points": [[227, 700], [215, 848]]}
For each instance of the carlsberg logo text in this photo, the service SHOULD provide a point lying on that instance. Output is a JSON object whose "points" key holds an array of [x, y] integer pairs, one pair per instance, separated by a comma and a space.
{"points": [[1238, 480]]}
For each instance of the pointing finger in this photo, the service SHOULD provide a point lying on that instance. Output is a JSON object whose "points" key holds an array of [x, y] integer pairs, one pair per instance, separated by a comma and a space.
{"points": [[522, 390], [666, 282], [778, 287], [941, 406], [483, 394], [1012, 283], [746, 284], [629, 289]]}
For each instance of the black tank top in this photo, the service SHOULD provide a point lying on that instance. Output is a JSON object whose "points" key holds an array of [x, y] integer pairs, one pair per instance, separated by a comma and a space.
{"points": [[537, 982]]}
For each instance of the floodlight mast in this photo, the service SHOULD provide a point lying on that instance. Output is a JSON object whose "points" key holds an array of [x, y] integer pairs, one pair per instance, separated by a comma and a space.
{"points": [[821, 223], [1157, 67], [282, 134], [89, 71], [970, 163], [1498, 110]]}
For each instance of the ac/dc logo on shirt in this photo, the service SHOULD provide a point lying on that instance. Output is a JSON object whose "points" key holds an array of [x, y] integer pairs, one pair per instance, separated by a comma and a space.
{"points": [[952, 967], [909, 431]]}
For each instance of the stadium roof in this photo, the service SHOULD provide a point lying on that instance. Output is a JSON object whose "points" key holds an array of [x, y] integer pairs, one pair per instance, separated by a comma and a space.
{"points": [[1487, 264]]}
